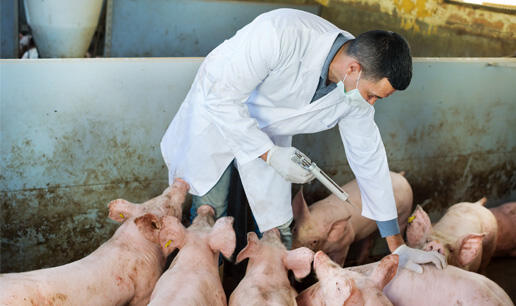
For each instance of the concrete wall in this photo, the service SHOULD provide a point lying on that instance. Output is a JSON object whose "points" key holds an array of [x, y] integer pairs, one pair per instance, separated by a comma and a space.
{"points": [[433, 27], [77, 133], [9, 29], [170, 28]]}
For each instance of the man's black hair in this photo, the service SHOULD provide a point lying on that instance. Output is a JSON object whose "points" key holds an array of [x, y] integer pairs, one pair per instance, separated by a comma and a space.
{"points": [[383, 54]]}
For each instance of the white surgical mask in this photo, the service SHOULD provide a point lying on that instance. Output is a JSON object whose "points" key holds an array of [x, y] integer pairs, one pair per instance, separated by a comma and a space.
{"points": [[353, 94]]}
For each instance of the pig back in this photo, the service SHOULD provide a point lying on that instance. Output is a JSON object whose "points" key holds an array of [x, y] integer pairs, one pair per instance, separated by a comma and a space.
{"points": [[451, 286], [362, 226], [506, 219]]}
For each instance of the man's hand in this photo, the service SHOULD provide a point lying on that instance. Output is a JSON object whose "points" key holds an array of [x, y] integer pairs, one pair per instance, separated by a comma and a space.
{"points": [[412, 258], [280, 158]]}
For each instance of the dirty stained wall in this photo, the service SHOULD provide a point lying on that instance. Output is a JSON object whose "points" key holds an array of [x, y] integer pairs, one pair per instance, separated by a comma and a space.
{"points": [[88, 132], [433, 28]]}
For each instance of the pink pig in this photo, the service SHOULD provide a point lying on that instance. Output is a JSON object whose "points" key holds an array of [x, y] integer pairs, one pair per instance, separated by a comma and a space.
{"points": [[121, 271], [338, 286], [266, 279], [466, 234], [193, 277], [506, 218], [450, 286], [332, 226], [169, 203]]}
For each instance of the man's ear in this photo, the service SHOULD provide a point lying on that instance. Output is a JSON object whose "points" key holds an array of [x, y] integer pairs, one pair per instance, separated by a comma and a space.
{"points": [[354, 67]]}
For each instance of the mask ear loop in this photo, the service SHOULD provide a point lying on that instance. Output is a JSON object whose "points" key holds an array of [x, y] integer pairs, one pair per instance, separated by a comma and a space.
{"points": [[359, 75], [344, 86]]}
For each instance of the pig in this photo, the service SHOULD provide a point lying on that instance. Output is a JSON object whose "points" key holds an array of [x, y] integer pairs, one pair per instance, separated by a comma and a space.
{"points": [[338, 286], [193, 277], [266, 279], [331, 225], [449, 286], [169, 203], [466, 234], [506, 218], [122, 271]]}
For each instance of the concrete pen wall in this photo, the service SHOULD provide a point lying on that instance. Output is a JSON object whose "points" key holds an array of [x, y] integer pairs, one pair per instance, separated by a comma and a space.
{"points": [[77, 133]]}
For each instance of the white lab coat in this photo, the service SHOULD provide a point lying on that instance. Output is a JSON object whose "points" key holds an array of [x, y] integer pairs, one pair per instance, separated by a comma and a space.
{"points": [[254, 91]]}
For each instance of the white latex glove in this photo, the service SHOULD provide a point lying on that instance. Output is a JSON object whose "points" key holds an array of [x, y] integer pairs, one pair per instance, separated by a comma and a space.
{"points": [[280, 158], [412, 258]]}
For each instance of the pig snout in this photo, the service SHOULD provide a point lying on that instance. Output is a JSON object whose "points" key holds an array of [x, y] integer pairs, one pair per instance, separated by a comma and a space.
{"points": [[181, 184], [272, 234], [434, 246], [205, 210], [323, 264]]}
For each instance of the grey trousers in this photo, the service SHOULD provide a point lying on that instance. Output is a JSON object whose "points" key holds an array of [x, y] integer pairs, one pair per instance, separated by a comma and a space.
{"points": [[217, 198]]}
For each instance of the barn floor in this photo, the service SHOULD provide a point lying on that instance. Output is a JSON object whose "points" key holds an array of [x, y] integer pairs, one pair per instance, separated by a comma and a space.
{"points": [[503, 272]]}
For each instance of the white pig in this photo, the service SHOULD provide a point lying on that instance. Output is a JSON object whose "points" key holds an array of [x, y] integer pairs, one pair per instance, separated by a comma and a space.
{"points": [[331, 225], [338, 286], [121, 271], [466, 234], [450, 286], [266, 279], [193, 277]]}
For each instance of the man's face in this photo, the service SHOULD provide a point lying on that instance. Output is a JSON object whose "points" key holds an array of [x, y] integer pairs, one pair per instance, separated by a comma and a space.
{"points": [[371, 91]]}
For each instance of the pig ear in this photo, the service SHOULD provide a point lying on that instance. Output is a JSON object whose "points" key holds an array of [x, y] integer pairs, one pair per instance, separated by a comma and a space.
{"points": [[121, 210], [250, 248], [385, 271], [149, 225], [338, 229], [418, 228], [172, 234], [222, 237], [299, 261], [470, 247], [299, 206], [482, 201]]}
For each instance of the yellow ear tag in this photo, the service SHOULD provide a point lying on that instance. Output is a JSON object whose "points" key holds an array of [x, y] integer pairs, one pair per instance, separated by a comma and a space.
{"points": [[122, 216], [167, 244], [411, 218]]}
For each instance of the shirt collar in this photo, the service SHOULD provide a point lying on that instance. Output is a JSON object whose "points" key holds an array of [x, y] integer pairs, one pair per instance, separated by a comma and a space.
{"points": [[337, 44]]}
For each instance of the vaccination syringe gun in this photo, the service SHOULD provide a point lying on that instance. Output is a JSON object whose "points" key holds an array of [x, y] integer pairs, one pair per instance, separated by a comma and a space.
{"points": [[306, 163]]}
